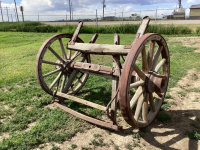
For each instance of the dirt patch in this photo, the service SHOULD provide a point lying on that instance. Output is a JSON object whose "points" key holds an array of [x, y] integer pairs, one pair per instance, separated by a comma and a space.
{"points": [[30, 125], [48, 146], [4, 135], [51, 106], [171, 135], [188, 42]]}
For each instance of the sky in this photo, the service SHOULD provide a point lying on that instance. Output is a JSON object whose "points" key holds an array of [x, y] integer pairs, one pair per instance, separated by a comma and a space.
{"points": [[87, 8]]}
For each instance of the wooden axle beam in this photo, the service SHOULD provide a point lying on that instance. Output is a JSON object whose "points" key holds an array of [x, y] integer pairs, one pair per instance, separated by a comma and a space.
{"points": [[100, 49]]}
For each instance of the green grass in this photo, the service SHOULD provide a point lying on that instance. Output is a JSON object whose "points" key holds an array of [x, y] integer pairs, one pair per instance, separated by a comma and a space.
{"points": [[182, 93], [163, 117], [25, 102], [168, 96], [165, 105], [73, 146], [136, 136], [194, 135]]}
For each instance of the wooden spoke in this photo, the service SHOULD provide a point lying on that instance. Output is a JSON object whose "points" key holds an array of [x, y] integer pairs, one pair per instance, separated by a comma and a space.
{"points": [[145, 107], [136, 84], [152, 105], [150, 54], [56, 54], [144, 61], [139, 72], [51, 63], [159, 94], [139, 105], [69, 54], [78, 78], [136, 96], [55, 81], [52, 72], [63, 83], [57, 58], [74, 55], [161, 63], [62, 48], [70, 80], [156, 56]]}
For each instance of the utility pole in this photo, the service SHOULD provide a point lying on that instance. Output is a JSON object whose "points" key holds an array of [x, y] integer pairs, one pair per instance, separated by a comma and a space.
{"points": [[70, 10], [115, 12], [16, 11], [7, 8], [22, 9], [1, 11], [104, 6]]}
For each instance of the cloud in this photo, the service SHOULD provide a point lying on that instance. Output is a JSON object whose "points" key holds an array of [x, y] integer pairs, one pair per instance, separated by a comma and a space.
{"points": [[191, 1]]}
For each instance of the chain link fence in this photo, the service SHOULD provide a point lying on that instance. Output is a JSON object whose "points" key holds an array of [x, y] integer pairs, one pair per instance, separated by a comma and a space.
{"points": [[97, 17]]}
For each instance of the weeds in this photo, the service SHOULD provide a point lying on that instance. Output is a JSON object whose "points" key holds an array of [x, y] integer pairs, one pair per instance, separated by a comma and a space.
{"points": [[136, 136], [196, 100], [97, 135], [126, 28], [73, 146], [163, 117], [182, 93], [168, 96], [128, 146], [165, 105], [98, 142], [86, 148], [172, 103], [194, 135]]}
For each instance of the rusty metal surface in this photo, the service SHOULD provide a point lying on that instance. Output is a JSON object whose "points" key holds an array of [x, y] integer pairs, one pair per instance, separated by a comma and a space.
{"points": [[40, 81], [93, 67], [89, 119], [153, 81], [125, 77]]}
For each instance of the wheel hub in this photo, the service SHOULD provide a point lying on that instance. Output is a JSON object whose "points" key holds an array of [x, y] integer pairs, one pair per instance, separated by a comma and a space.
{"points": [[155, 82]]}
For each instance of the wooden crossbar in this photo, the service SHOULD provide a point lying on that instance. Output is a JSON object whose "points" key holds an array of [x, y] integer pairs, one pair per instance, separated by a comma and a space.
{"points": [[101, 49]]}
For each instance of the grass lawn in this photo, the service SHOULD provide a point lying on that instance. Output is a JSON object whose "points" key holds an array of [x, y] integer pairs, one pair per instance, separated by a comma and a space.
{"points": [[23, 112]]}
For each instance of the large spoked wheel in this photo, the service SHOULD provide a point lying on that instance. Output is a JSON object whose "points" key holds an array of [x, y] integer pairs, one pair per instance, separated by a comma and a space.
{"points": [[144, 80], [52, 59]]}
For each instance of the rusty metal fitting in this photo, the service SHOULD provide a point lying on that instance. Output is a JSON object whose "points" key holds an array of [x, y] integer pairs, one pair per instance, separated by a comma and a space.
{"points": [[155, 82]]}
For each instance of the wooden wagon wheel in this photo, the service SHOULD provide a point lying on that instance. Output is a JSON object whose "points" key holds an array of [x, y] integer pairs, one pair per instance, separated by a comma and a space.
{"points": [[143, 84], [52, 58]]}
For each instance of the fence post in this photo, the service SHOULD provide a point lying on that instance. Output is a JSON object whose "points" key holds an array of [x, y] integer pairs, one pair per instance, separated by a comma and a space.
{"points": [[96, 18], [122, 21], [39, 21], [156, 17], [66, 19], [12, 22]]}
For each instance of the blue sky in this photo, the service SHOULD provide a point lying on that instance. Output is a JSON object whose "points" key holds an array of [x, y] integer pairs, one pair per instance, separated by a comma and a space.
{"points": [[85, 8]]}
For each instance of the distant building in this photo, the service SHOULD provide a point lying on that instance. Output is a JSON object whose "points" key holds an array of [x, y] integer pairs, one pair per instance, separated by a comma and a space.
{"points": [[180, 14], [108, 17], [195, 12], [170, 17]]}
